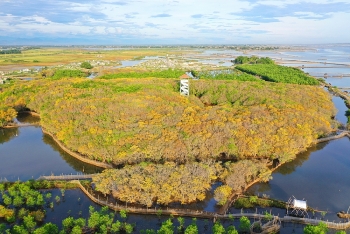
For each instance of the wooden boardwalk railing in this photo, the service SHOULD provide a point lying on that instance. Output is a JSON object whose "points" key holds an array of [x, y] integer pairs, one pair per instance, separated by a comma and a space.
{"points": [[342, 134], [206, 214], [332, 225], [67, 177]]}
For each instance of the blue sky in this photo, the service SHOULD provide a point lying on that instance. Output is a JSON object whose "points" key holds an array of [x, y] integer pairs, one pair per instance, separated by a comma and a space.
{"points": [[174, 22]]}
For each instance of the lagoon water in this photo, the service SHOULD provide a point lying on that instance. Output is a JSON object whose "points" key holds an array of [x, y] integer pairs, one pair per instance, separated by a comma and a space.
{"points": [[26, 153]]}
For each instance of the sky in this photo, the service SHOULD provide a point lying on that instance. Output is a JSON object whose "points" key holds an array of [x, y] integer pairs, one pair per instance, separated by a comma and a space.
{"points": [[139, 22]]}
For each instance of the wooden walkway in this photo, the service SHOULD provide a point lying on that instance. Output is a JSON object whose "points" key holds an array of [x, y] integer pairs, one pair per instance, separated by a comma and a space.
{"points": [[342, 134], [322, 67], [206, 214], [67, 177]]}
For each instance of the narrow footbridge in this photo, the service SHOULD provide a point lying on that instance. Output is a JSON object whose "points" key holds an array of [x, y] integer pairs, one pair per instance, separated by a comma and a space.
{"points": [[342, 134], [67, 177]]}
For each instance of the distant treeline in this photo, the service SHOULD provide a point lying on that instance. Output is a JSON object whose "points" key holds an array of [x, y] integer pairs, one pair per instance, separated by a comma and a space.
{"points": [[13, 51], [252, 60]]}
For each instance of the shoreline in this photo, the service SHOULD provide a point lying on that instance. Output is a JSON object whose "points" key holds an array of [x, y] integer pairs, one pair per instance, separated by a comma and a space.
{"points": [[77, 155]]}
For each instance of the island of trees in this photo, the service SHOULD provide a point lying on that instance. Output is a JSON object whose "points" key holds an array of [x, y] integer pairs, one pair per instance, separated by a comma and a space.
{"points": [[171, 148]]}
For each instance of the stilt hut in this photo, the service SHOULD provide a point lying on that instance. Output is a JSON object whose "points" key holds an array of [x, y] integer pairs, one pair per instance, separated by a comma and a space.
{"points": [[296, 207]]}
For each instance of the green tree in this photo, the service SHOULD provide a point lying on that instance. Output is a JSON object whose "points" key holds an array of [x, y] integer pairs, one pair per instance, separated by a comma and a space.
{"points": [[68, 223], [167, 227], [123, 214], [181, 221], [47, 228], [241, 60], [321, 228], [128, 228], [29, 223], [191, 229], [40, 200], [100, 220], [38, 215], [19, 230], [2, 227], [116, 226], [268, 216], [48, 196], [86, 65], [18, 201], [231, 230], [7, 199], [62, 192], [30, 201], [76, 230], [218, 228], [81, 222], [244, 224]]}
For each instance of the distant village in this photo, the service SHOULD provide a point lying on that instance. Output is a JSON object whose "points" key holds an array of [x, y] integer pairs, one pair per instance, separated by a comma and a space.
{"points": [[30, 72]]}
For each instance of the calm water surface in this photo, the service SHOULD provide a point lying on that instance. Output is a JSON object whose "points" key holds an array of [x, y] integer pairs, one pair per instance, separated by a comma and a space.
{"points": [[27, 153]]}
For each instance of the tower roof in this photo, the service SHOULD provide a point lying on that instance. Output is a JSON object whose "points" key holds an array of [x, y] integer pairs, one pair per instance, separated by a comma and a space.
{"points": [[185, 76]]}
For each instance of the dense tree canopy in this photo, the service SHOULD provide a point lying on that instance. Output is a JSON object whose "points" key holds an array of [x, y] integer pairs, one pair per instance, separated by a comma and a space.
{"points": [[149, 183], [6, 115], [131, 121], [277, 73], [135, 120]]}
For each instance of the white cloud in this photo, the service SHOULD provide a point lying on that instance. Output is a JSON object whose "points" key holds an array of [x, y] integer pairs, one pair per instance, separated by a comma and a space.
{"points": [[212, 19]]}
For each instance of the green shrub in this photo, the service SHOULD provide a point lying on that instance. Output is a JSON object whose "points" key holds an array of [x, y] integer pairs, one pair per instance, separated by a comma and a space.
{"points": [[86, 65]]}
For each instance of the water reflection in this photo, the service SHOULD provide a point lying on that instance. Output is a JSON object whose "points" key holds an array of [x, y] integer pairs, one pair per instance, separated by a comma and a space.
{"points": [[26, 153], [76, 164], [7, 134], [26, 118], [290, 167]]}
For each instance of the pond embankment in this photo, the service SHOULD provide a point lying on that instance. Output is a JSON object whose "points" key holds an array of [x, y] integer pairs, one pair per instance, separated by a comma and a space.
{"points": [[77, 155]]}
